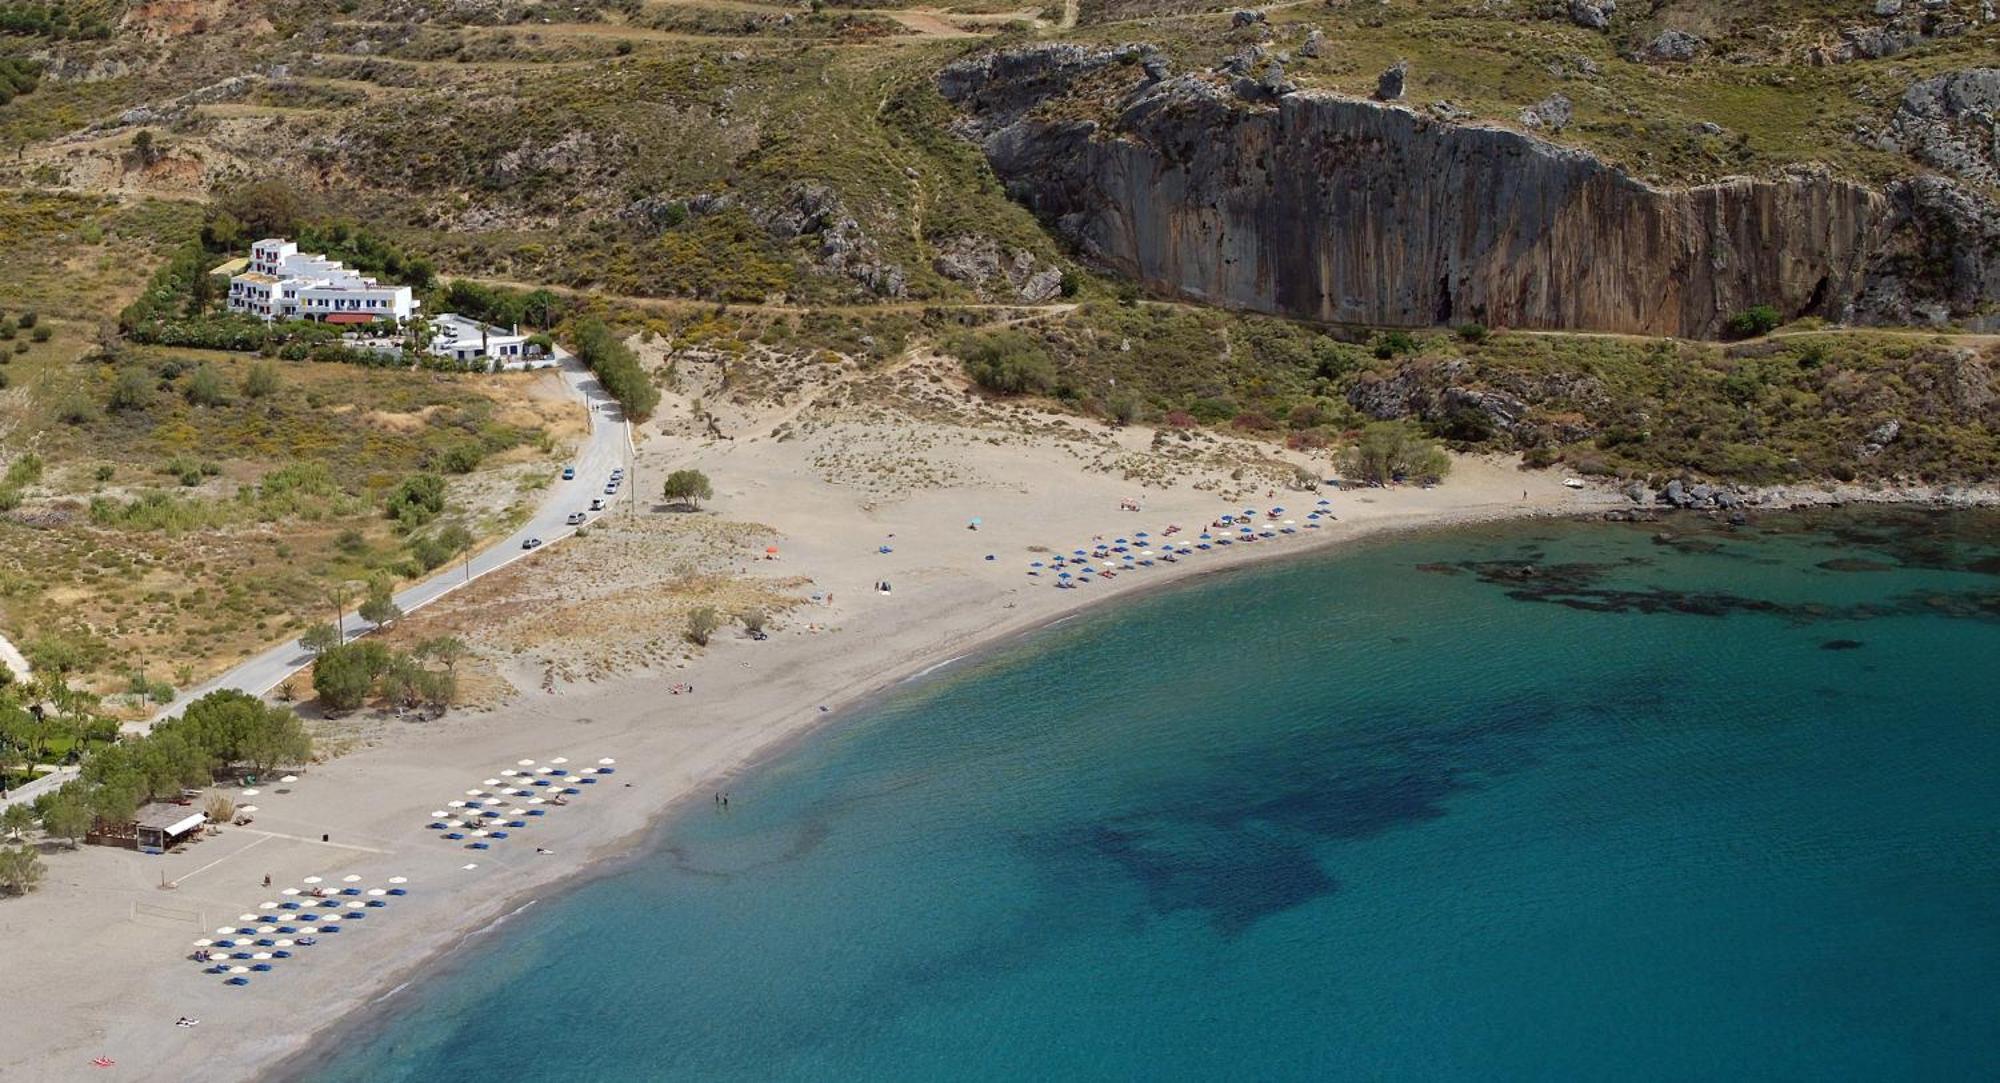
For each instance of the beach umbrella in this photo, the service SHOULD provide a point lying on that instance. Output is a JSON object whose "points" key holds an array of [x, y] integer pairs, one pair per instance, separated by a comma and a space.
{"points": [[455, 804], [204, 942], [377, 891], [491, 782], [355, 904], [1324, 503], [285, 943], [351, 878], [510, 772], [239, 970], [267, 906], [311, 880], [246, 917], [524, 763], [250, 793], [1277, 511], [440, 813], [474, 793], [225, 930], [1059, 575], [289, 778], [261, 955], [399, 879], [1142, 534], [295, 891]]}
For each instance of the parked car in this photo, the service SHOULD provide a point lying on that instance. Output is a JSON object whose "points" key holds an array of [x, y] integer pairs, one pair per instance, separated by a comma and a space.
{"points": [[569, 473], [611, 488], [575, 518], [531, 543], [596, 504]]}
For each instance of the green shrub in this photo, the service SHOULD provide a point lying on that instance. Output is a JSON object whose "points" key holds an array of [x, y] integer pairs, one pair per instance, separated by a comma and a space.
{"points": [[1474, 333], [1007, 362], [1389, 344], [1754, 321], [417, 500]]}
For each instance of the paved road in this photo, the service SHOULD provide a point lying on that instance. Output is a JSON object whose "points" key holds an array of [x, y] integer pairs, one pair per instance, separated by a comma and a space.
{"points": [[608, 447]]}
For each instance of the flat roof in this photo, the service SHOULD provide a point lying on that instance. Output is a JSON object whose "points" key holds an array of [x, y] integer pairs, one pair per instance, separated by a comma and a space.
{"points": [[170, 819], [259, 277]]}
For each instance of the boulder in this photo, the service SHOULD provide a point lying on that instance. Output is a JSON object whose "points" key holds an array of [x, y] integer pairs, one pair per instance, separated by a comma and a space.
{"points": [[1670, 46], [1592, 14], [1314, 42], [1389, 85], [1951, 122], [1553, 113], [1245, 17]]}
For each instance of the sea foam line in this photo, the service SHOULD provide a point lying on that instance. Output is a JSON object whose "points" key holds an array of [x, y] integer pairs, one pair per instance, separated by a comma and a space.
{"points": [[932, 669]]}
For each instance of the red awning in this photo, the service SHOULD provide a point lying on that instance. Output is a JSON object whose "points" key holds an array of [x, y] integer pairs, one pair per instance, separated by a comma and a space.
{"points": [[350, 317]]}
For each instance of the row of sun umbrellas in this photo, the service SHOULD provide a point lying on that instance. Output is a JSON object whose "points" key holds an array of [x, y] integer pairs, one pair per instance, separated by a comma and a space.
{"points": [[492, 811], [282, 928], [1141, 551]]}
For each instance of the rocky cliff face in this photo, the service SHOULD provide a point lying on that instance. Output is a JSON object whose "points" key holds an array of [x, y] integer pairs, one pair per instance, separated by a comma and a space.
{"points": [[1359, 212]]}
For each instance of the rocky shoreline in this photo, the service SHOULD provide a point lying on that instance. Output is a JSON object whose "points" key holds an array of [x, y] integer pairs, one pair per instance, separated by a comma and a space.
{"points": [[1737, 502]]}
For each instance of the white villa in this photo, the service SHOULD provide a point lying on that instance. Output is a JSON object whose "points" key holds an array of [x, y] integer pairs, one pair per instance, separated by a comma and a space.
{"points": [[463, 339], [286, 284]]}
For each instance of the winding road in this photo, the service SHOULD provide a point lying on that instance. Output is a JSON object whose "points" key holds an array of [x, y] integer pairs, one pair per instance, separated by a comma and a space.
{"points": [[607, 447]]}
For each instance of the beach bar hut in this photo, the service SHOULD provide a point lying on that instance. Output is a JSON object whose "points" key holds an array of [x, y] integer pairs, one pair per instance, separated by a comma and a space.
{"points": [[162, 827]]}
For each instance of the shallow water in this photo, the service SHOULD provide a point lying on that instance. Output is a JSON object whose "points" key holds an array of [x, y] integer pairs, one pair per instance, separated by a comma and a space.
{"points": [[1722, 805]]}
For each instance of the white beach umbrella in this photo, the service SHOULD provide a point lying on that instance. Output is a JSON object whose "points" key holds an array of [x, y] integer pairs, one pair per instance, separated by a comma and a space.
{"points": [[378, 891], [284, 943], [399, 879], [537, 801], [510, 772], [249, 793], [246, 808], [490, 782], [246, 917], [560, 759], [225, 929], [525, 763], [239, 970], [474, 793], [267, 906], [203, 942], [355, 904], [326, 917], [289, 891], [352, 878], [454, 804], [480, 833], [289, 778], [440, 812], [311, 880], [470, 865], [267, 928], [607, 761], [260, 955]]}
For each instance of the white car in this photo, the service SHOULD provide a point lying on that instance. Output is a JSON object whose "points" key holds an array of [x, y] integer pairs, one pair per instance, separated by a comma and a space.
{"points": [[575, 518], [531, 543]]}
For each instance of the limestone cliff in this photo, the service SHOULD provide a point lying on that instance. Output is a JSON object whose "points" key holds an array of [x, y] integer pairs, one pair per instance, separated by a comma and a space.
{"points": [[1352, 211]]}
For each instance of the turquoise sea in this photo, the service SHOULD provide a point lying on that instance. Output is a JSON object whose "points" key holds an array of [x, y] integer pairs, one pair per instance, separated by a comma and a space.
{"points": [[1538, 801]]}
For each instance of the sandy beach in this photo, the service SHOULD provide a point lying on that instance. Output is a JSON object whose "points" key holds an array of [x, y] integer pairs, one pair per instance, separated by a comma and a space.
{"points": [[589, 633]]}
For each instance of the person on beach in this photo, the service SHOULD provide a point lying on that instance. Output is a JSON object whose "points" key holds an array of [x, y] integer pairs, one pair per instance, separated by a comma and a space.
{"points": [[267, 879]]}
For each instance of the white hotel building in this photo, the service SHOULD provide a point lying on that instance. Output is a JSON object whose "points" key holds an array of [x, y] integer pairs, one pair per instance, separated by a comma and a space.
{"points": [[286, 284]]}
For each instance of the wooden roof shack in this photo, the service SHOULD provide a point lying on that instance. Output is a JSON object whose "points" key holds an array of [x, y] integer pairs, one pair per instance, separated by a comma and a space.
{"points": [[162, 827]]}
